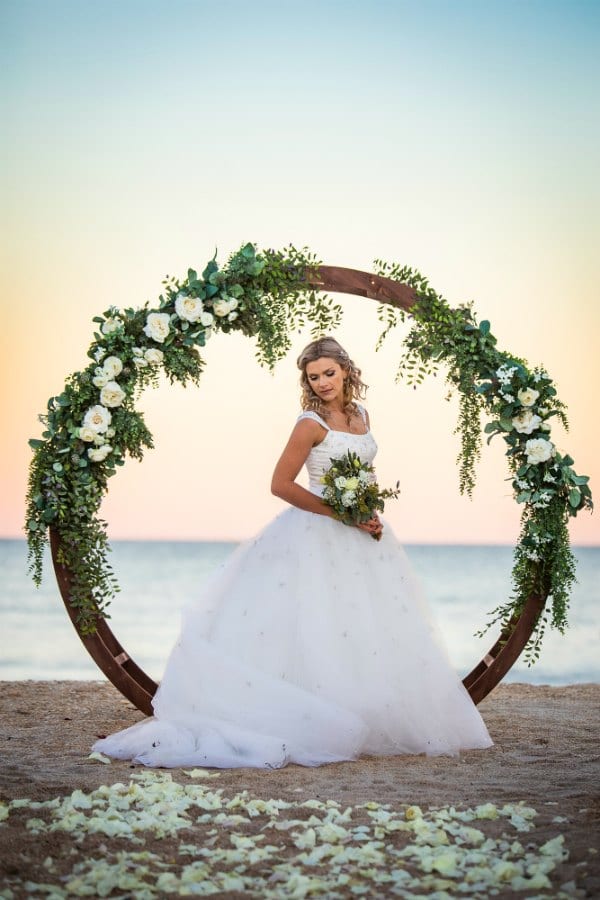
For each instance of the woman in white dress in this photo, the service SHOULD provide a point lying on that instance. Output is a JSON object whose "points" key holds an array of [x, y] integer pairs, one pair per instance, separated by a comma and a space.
{"points": [[311, 643]]}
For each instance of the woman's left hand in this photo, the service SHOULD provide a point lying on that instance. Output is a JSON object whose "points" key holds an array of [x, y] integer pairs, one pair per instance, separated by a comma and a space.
{"points": [[374, 526]]}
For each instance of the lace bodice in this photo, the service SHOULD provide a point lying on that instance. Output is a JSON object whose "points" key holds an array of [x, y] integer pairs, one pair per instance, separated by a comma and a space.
{"points": [[334, 445]]}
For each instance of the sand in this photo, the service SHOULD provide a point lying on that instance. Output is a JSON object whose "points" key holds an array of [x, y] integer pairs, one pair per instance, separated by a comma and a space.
{"points": [[546, 753]]}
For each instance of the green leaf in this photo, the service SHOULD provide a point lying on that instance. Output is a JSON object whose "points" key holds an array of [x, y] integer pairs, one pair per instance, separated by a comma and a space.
{"points": [[580, 479], [35, 443], [57, 467], [491, 427], [484, 327], [192, 275], [211, 290], [506, 424], [210, 268], [248, 252], [574, 498]]}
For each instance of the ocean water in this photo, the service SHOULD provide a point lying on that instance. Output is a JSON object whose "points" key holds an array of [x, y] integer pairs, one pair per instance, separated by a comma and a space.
{"points": [[462, 583]]}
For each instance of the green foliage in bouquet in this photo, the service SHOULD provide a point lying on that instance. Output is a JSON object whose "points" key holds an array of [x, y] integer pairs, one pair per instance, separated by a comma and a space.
{"points": [[351, 490], [521, 403]]}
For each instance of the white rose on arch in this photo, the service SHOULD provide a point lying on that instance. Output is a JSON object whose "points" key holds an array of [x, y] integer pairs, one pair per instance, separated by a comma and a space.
{"points": [[97, 418], [527, 396], [526, 422], [99, 454], [87, 434], [207, 319], [100, 378], [112, 324], [157, 326], [539, 450], [188, 308], [112, 366], [221, 307], [112, 394], [154, 356]]}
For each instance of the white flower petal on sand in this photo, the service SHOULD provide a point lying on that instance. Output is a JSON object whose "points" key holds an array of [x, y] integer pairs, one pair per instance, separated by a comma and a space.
{"points": [[100, 758]]}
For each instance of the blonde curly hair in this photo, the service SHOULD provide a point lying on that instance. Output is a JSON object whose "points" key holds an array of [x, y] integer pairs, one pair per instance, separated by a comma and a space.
{"points": [[354, 388]]}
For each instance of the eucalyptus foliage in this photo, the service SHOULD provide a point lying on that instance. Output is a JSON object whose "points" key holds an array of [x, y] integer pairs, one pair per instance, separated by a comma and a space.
{"points": [[521, 403], [92, 425]]}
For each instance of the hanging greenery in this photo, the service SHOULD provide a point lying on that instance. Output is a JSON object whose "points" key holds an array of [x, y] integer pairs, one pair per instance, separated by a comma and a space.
{"points": [[93, 423], [521, 403]]}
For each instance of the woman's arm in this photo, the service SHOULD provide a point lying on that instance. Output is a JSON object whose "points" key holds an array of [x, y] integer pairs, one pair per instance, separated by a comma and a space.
{"points": [[283, 484]]}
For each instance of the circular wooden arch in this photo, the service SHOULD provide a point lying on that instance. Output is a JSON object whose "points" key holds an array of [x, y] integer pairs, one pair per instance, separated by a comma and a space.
{"points": [[139, 688]]}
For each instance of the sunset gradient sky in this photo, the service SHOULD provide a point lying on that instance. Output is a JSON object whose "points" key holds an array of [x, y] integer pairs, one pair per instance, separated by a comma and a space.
{"points": [[461, 138]]}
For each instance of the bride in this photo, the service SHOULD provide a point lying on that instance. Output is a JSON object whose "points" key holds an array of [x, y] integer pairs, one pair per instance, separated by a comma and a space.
{"points": [[311, 643]]}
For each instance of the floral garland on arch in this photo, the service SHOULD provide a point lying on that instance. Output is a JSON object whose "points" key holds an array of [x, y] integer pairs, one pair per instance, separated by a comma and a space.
{"points": [[93, 423]]}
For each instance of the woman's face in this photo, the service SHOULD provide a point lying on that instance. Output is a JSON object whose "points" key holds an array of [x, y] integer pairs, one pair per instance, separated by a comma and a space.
{"points": [[326, 378]]}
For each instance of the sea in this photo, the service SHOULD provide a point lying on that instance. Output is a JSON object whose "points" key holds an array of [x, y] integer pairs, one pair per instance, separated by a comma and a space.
{"points": [[157, 578]]}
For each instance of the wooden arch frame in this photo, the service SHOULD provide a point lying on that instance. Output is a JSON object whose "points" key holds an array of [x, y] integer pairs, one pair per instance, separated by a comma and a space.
{"points": [[139, 688]]}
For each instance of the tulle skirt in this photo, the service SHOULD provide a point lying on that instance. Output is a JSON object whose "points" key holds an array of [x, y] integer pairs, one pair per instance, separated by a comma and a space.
{"points": [[310, 644]]}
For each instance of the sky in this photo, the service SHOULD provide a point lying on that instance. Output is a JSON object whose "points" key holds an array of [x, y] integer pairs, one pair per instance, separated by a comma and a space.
{"points": [[461, 138]]}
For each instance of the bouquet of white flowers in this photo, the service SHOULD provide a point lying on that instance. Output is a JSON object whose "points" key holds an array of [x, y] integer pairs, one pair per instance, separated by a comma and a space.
{"points": [[351, 490]]}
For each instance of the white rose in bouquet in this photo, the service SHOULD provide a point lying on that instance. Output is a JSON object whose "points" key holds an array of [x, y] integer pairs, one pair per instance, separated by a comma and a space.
{"points": [[348, 498], [112, 367], [340, 482], [112, 394], [528, 396], [97, 418], [99, 454], [87, 434], [526, 422], [154, 356], [188, 308], [207, 319], [352, 484], [539, 450], [157, 326]]}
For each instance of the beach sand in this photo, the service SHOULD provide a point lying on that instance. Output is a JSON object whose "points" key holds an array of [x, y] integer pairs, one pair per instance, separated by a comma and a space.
{"points": [[546, 753]]}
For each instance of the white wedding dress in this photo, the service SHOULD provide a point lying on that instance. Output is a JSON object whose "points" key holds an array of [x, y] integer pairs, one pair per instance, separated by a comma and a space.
{"points": [[310, 644]]}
